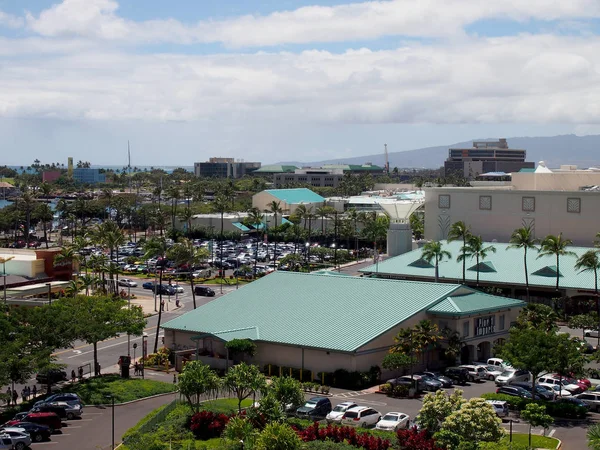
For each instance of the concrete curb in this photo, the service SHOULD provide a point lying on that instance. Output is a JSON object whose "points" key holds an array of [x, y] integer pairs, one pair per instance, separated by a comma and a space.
{"points": [[109, 405], [559, 444]]}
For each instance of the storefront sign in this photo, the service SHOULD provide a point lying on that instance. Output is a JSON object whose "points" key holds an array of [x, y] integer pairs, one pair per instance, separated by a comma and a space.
{"points": [[485, 326]]}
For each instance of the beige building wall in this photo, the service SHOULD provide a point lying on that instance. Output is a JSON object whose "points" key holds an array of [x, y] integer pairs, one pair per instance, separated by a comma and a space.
{"points": [[571, 180], [496, 213]]}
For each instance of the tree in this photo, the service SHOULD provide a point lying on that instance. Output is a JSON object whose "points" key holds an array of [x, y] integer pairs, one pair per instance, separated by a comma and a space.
{"points": [[523, 238], [537, 316], [557, 246], [185, 252], [530, 349], [157, 247], [437, 406], [241, 347], [275, 208], [433, 251], [425, 335], [196, 380], [244, 380], [475, 421], [590, 262], [568, 358], [460, 231], [397, 361], [375, 229], [287, 391], [536, 415], [475, 249], [98, 318], [255, 218], [583, 322], [278, 436]]}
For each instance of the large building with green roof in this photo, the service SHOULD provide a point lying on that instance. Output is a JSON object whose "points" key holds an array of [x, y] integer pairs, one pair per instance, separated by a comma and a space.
{"points": [[319, 323], [289, 199], [504, 268]]}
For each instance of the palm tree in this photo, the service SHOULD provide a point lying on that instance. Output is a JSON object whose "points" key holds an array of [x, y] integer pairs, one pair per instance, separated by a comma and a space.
{"points": [[255, 218], [275, 208], [300, 212], [555, 245], [433, 250], [67, 255], [475, 249], [590, 262], [324, 212], [173, 193], [43, 213], [185, 252], [523, 238], [354, 217], [220, 205], [426, 334], [459, 231], [157, 247], [186, 216], [111, 237]]}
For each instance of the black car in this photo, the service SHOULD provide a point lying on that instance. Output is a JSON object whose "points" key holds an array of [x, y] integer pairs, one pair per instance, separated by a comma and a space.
{"points": [[60, 411], [203, 290], [515, 391], [37, 432], [446, 381], [573, 401], [540, 391], [316, 407], [164, 289], [51, 376], [459, 375]]}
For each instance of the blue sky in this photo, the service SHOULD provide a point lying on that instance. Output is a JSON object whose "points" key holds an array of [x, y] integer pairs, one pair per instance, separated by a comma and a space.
{"points": [[289, 80]]}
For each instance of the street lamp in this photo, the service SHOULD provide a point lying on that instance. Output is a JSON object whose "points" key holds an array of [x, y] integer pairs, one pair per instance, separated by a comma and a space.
{"points": [[112, 397], [129, 308], [307, 253], [144, 352], [49, 286], [4, 261], [334, 256]]}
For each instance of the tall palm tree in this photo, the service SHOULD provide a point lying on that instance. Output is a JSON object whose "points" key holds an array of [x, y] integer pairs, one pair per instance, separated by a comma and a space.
{"points": [[324, 212], [111, 237], [459, 231], [523, 238], [186, 216], [590, 262], [43, 213], [275, 208], [173, 193], [185, 252], [255, 218], [375, 229], [354, 217], [220, 204], [475, 249], [426, 334], [555, 245], [300, 212], [67, 255], [157, 248], [433, 251]]}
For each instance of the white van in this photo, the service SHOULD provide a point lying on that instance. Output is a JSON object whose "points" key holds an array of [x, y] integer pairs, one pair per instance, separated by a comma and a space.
{"points": [[498, 363], [501, 407]]}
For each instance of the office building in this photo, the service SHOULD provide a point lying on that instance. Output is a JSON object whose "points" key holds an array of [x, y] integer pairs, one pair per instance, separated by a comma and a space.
{"points": [[88, 176], [224, 168]]}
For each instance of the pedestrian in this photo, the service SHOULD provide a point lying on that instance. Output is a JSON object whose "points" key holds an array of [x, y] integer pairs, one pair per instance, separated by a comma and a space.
{"points": [[162, 305], [97, 368], [24, 394], [28, 392], [15, 396], [80, 373], [73, 376], [34, 391]]}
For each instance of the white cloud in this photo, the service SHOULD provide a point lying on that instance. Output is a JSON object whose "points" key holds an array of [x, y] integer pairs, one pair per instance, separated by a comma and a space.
{"points": [[10, 21], [523, 79], [356, 21]]}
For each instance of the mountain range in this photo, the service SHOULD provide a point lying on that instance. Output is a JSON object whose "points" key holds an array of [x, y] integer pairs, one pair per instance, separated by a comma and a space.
{"points": [[554, 150]]}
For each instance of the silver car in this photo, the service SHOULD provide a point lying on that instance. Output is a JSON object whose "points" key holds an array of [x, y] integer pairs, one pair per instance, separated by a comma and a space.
{"points": [[72, 409], [20, 439]]}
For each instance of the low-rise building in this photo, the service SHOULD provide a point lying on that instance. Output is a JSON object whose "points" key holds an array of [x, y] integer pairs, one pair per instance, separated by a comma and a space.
{"points": [[323, 323], [289, 199]]}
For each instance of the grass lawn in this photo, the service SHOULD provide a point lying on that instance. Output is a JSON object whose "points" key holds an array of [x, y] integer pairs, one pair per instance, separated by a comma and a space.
{"points": [[93, 391], [536, 441], [226, 405]]}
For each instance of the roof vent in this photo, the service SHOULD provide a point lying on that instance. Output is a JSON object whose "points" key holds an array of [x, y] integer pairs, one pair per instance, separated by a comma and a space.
{"points": [[484, 266], [548, 271], [421, 263]]}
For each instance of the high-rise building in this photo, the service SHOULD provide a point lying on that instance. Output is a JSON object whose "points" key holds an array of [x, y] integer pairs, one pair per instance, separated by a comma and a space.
{"points": [[224, 168], [485, 157]]}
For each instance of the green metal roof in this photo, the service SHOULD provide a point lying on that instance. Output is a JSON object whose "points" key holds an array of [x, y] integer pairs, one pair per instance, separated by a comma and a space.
{"points": [[276, 168], [240, 226], [507, 265], [310, 310], [295, 196], [331, 273], [473, 303], [354, 167]]}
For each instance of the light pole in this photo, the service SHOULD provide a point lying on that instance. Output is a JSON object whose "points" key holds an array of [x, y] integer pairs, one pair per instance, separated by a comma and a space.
{"points": [[307, 253], [144, 352], [334, 256], [49, 286], [129, 308], [4, 261], [112, 398]]}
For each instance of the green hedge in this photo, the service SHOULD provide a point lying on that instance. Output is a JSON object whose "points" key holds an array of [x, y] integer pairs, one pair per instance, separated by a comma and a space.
{"points": [[562, 410]]}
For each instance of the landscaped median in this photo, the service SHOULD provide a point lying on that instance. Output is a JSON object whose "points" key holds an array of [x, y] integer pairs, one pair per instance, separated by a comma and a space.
{"points": [[95, 391]]}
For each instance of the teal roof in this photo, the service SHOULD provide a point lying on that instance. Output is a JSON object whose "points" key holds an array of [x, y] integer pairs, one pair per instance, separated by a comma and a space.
{"points": [[354, 167], [276, 168], [295, 196], [505, 266], [311, 310], [331, 273], [527, 170], [240, 226], [473, 303]]}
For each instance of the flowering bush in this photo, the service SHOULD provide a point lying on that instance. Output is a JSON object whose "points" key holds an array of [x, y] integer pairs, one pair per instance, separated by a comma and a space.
{"points": [[207, 424], [344, 434], [412, 439]]}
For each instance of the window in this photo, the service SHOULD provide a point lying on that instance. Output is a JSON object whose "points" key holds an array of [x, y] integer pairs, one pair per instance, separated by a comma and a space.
{"points": [[443, 201], [466, 329], [485, 202], [502, 321], [574, 205], [528, 204]]}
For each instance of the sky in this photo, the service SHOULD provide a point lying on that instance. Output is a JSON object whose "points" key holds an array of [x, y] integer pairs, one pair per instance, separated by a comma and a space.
{"points": [[288, 80]]}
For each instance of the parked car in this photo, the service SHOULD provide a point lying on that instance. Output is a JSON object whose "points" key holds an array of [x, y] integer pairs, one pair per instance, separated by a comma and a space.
{"points": [[541, 392], [361, 416], [559, 391], [148, 285], [127, 282], [19, 437], [59, 410], [51, 420], [37, 432], [204, 290], [510, 376], [446, 381], [315, 407], [6, 443], [51, 376], [549, 380], [498, 363], [476, 373], [429, 384], [515, 391], [493, 372], [393, 421], [501, 407], [68, 397], [592, 399], [574, 401], [336, 414], [460, 375], [591, 333], [163, 289], [73, 410], [178, 289]]}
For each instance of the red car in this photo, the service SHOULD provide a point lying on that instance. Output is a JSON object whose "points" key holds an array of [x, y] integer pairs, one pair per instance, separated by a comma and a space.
{"points": [[51, 420]]}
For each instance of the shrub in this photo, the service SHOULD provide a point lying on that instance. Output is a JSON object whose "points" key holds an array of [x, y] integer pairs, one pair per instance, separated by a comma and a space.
{"points": [[386, 388], [344, 434], [278, 436], [400, 390], [415, 440], [563, 410], [206, 424]]}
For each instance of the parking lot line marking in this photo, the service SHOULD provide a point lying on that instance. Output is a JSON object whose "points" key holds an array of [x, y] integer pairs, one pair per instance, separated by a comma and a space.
{"points": [[84, 420], [47, 443], [92, 414], [552, 432]]}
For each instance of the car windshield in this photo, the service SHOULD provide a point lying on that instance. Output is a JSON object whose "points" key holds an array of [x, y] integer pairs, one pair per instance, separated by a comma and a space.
{"points": [[340, 408], [392, 417], [351, 414], [507, 373], [310, 404], [492, 368]]}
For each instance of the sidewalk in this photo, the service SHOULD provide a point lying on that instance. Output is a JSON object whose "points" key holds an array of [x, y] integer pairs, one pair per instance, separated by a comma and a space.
{"points": [[147, 303]]}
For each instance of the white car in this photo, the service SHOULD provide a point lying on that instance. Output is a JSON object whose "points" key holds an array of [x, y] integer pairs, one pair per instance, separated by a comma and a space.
{"points": [[19, 437], [361, 416], [178, 289], [127, 282], [510, 376], [590, 333], [550, 380], [393, 421], [493, 372], [336, 414]]}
